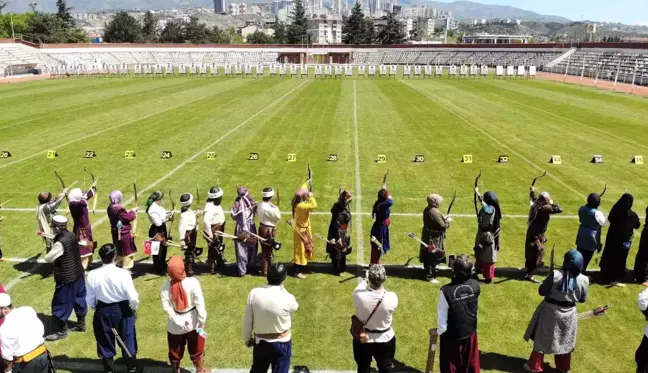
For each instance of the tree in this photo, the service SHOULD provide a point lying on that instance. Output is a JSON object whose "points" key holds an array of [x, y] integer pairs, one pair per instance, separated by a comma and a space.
{"points": [[173, 33], [353, 29], [65, 13], [259, 37], [196, 32], [369, 31], [150, 28], [392, 31], [218, 36], [2, 6], [297, 32], [279, 32], [50, 28], [19, 24], [123, 28]]}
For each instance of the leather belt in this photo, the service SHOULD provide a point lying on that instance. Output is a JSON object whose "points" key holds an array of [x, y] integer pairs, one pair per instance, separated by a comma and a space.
{"points": [[185, 312], [273, 335], [26, 358]]}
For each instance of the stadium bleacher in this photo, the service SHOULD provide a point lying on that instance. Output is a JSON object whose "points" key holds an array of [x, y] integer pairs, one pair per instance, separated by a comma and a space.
{"points": [[605, 63]]}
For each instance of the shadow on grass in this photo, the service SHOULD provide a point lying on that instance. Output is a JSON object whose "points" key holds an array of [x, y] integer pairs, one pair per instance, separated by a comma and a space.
{"points": [[504, 363], [34, 268], [64, 363]]}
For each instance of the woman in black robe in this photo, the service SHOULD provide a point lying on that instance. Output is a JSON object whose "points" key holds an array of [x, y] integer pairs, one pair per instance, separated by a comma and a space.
{"points": [[623, 222], [641, 260], [338, 241]]}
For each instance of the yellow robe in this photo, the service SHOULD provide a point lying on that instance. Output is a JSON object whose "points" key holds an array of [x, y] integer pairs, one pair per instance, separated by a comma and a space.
{"points": [[302, 224]]}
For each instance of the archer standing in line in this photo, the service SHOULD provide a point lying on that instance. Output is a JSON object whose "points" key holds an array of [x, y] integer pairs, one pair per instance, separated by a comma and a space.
{"points": [[554, 324], [542, 208], [338, 244], [641, 356], [381, 212], [592, 221], [641, 260], [269, 216], [302, 204], [435, 225], [623, 222], [243, 213], [121, 230], [158, 216], [45, 212], [487, 242], [187, 231], [214, 222], [78, 205]]}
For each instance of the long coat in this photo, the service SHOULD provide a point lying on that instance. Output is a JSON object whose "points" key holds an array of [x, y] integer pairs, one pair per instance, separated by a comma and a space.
{"points": [[553, 327], [302, 224]]}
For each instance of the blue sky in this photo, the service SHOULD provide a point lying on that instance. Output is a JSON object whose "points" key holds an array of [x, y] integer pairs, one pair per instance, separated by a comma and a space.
{"points": [[626, 11]]}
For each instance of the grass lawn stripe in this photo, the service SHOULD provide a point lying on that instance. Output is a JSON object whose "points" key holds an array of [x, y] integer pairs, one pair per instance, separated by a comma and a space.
{"points": [[358, 183]]}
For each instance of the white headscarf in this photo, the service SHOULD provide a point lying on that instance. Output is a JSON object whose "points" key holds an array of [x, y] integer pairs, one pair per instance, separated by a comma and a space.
{"points": [[75, 195]]}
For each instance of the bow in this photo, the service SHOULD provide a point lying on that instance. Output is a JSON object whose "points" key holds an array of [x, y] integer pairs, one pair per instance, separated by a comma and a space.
{"points": [[172, 219], [94, 181], [384, 183], [551, 260], [135, 197], [278, 197], [603, 192], [60, 179], [475, 193], [451, 203], [197, 198], [539, 177], [310, 178]]}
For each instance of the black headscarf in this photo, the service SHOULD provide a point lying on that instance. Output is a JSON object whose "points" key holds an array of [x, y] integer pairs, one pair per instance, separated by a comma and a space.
{"points": [[491, 200], [593, 200], [622, 209]]}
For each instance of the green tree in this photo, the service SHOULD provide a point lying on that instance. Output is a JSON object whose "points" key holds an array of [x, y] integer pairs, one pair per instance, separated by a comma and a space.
{"points": [[173, 33], [392, 31], [218, 36], [196, 32], [298, 30], [150, 27], [123, 28], [2, 6], [369, 31], [353, 29], [279, 32], [19, 24], [50, 28], [233, 37], [259, 37], [65, 13]]}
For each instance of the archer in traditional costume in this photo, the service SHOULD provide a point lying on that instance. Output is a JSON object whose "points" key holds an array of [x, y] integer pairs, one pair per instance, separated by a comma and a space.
{"points": [[243, 213], [214, 222], [542, 208], [592, 221], [487, 242], [78, 204], [45, 212], [338, 244], [381, 212], [641, 260], [435, 225], [187, 232], [269, 216], [641, 355], [623, 222], [158, 216], [121, 230], [554, 324], [302, 204]]}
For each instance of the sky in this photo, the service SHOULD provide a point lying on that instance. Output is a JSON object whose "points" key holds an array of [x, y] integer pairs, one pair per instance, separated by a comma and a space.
{"points": [[633, 12]]}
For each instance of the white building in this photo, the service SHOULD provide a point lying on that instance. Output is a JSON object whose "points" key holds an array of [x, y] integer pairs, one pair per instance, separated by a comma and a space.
{"points": [[325, 30], [237, 8]]}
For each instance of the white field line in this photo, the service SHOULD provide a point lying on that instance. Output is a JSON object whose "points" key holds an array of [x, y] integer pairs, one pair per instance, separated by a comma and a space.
{"points": [[571, 120], [102, 131], [202, 151], [496, 140], [358, 189], [360, 213]]}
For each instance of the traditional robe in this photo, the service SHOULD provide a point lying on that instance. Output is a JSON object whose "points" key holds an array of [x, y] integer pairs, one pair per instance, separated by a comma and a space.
{"points": [[380, 228], [120, 230], [339, 231], [535, 236], [302, 224], [82, 227], [620, 235]]}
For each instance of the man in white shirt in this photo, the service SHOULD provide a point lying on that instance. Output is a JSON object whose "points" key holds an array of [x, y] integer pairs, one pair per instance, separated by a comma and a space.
{"points": [[457, 320], [269, 216], [112, 294], [375, 307], [641, 356], [267, 322], [21, 339], [213, 222], [187, 231]]}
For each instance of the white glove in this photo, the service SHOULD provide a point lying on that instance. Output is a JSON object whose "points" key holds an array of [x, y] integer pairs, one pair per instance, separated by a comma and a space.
{"points": [[449, 219]]}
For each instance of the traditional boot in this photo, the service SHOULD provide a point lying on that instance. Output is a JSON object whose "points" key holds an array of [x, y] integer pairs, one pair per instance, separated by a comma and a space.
{"points": [[131, 364], [200, 365], [175, 368], [80, 326], [189, 262], [108, 365], [60, 334]]}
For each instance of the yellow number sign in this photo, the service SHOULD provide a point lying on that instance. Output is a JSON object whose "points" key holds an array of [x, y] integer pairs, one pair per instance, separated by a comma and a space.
{"points": [[210, 156], [637, 159], [129, 154], [292, 157], [555, 159], [381, 158], [51, 154], [467, 158]]}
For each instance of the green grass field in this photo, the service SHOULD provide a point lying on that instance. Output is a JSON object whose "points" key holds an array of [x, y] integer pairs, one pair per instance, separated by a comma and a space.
{"points": [[441, 119]]}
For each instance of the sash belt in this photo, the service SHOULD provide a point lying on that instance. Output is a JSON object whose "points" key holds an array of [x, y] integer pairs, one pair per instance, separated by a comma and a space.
{"points": [[26, 358]]}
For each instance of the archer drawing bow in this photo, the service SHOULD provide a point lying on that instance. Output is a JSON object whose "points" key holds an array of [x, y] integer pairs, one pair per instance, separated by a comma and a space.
{"points": [[94, 182]]}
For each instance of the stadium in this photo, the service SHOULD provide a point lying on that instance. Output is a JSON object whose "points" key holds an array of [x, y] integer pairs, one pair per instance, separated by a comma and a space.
{"points": [[184, 118]]}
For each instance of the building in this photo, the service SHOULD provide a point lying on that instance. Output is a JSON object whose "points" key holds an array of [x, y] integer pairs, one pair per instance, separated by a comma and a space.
{"points": [[496, 39], [219, 7], [325, 30], [237, 8]]}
